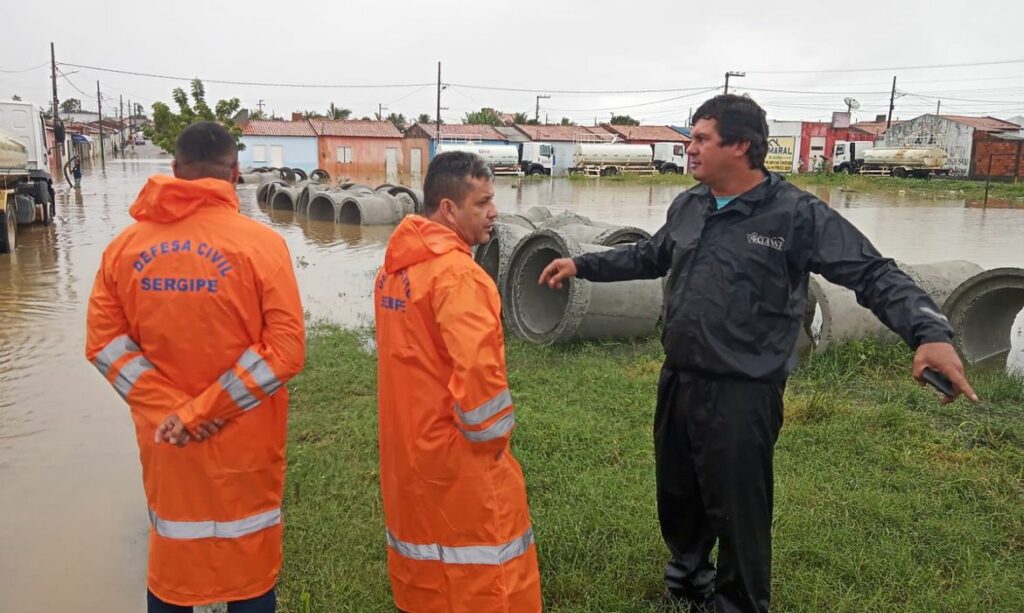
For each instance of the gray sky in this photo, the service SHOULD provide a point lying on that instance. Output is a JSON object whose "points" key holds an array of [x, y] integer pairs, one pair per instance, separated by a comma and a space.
{"points": [[539, 47]]}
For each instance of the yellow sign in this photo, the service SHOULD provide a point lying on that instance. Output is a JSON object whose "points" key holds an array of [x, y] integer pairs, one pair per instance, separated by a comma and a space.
{"points": [[780, 153]]}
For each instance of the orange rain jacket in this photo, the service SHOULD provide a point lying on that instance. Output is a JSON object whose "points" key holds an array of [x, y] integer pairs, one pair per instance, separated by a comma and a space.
{"points": [[195, 311], [458, 525]]}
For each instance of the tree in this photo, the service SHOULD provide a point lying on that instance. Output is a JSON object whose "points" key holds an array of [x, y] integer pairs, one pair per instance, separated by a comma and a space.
{"points": [[167, 125], [365, 118], [623, 120], [139, 111], [398, 120], [257, 115], [16, 98], [71, 105], [520, 118], [485, 116], [423, 118], [310, 114], [335, 112], [566, 122]]}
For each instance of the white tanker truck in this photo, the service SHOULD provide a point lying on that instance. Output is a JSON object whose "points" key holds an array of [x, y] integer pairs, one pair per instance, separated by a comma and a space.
{"points": [[609, 159], [503, 159], [26, 188], [919, 162]]}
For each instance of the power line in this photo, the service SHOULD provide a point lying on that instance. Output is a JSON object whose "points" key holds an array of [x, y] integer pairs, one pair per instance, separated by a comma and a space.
{"points": [[922, 67], [47, 63], [633, 106], [253, 83], [580, 91]]}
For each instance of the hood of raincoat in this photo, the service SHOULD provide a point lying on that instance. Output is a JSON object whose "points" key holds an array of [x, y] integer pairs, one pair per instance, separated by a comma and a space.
{"points": [[167, 199], [417, 239]]}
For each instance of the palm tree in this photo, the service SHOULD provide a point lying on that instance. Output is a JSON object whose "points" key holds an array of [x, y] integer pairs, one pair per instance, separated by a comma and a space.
{"points": [[398, 120], [334, 112], [423, 118], [520, 118]]}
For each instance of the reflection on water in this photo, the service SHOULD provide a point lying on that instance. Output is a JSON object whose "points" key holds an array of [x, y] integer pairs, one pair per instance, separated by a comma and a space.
{"points": [[65, 435]]}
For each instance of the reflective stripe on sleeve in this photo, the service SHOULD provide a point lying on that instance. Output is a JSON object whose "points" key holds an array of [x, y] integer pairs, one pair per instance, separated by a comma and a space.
{"points": [[264, 377], [130, 373], [496, 430], [114, 351], [481, 413], [236, 388], [492, 555]]}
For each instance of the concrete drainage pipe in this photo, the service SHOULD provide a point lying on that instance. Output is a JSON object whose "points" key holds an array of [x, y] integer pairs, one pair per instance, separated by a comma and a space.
{"points": [[372, 210], [284, 199], [306, 194], [841, 318], [581, 309], [588, 231], [982, 311], [537, 214], [494, 255], [324, 206]]}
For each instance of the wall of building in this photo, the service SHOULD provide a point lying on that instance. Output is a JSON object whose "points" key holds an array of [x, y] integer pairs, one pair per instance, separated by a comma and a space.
{"points": [[411, 175], [298, 151], [997, 158], [369, 157], [955, 138]]}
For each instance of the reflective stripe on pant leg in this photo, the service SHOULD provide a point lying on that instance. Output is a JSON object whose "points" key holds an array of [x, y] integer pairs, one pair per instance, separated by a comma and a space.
{"points": [[492, 555]]}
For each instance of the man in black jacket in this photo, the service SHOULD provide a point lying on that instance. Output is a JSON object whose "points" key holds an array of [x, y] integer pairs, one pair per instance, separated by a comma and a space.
{"points": [[738, 249]]}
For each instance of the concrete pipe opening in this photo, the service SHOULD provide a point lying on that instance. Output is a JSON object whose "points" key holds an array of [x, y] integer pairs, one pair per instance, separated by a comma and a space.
{"points": [[284, 199], [263, 192], [350, 213], [983, 311], [306, 195], [580, 310], [321, 208], [833, 314], [588, 231]]}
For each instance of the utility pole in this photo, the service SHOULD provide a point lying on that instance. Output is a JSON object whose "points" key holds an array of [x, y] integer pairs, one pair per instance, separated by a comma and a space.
{"points": [[120, 107], [99, 115], [689, 118], [732, 73], [536, 113], [259, 105], [380, 111], [57, 147], [437, 118], [892, 103], [938, 108]]}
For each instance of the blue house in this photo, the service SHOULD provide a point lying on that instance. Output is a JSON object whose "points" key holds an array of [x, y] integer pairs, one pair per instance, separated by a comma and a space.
{"points": [[291, 144], [481, 134]]}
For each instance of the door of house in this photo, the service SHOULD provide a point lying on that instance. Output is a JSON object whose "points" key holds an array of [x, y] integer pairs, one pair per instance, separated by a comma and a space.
{"points": [[415, 164], [391, 165]]}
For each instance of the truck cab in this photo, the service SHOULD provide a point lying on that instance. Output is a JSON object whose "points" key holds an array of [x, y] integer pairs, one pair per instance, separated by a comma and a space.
{"points": [[26, 187], [536, 158], [670, 158], [848, 156]]}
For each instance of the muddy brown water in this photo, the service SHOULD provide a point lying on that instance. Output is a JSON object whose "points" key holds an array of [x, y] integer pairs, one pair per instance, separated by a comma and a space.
{"points": [[72, 514]]}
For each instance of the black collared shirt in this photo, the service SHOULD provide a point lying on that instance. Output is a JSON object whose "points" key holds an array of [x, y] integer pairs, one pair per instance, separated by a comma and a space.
{"points": [[737, 292]]}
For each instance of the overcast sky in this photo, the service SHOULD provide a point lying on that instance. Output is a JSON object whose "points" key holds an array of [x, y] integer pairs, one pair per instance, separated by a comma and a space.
{"points": [[544, 47]]}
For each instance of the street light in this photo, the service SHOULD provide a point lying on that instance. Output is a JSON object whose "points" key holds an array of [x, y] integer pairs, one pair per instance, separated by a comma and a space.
{"points": [[732, 73]]}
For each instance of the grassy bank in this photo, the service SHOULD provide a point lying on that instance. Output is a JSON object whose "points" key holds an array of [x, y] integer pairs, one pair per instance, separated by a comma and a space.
{"points": [[925, 188], [885, 500]]}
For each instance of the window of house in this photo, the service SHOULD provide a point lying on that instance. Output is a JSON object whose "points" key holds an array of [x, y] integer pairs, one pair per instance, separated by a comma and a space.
{"points": [[345, 155], [259, 153]]}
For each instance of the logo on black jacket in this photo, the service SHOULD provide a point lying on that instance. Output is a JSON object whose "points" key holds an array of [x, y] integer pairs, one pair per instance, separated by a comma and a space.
{"points": [[774, 242]]}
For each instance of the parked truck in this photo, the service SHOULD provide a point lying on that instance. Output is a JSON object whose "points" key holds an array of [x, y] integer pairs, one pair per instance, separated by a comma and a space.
{"points": [[848, 156], [536, 158], [26, 187], [609, 159], [503, 159], [669, 158]]}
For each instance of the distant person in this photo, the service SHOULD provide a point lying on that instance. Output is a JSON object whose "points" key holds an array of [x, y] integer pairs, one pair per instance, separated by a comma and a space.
{"points": [[738, 249], [455, 511], [195, 320], [76, 172]]}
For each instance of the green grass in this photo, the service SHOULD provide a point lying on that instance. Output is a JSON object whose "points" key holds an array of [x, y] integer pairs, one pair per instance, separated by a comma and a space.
{"points": [[885, 500], [924, 188]]}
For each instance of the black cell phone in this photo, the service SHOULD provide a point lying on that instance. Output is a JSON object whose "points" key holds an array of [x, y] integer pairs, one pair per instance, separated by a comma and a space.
{"points": [[939, 381]]}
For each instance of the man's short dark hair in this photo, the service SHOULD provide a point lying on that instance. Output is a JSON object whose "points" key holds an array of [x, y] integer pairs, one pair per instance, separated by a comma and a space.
{"points": [[205, 143], [448, 177], [739, 119]]}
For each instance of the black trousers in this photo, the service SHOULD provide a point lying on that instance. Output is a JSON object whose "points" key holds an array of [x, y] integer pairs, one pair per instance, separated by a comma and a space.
{"points": [[713, 442]]}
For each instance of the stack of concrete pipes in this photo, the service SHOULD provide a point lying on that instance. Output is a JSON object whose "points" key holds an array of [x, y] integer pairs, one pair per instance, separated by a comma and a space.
{"points": [[289, 176], [348, 203], [980, 305], [522, 245]]}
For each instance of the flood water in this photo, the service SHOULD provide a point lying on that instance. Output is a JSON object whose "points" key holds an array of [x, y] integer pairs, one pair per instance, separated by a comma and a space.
{"points": [[72, 514]]}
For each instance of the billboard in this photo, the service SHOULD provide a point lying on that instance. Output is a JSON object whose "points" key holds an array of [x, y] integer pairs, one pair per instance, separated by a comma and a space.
{"points": [[840, 120], [781, 153]]}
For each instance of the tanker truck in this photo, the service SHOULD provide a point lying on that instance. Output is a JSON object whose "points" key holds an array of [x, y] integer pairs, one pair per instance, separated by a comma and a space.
{"points": [[26, 188], [609, 159], [503, 159], [918, 162]]}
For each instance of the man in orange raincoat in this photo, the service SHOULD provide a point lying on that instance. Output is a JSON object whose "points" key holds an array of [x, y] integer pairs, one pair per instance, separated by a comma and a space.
{"points": [[195, 320], [458, 525]]}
